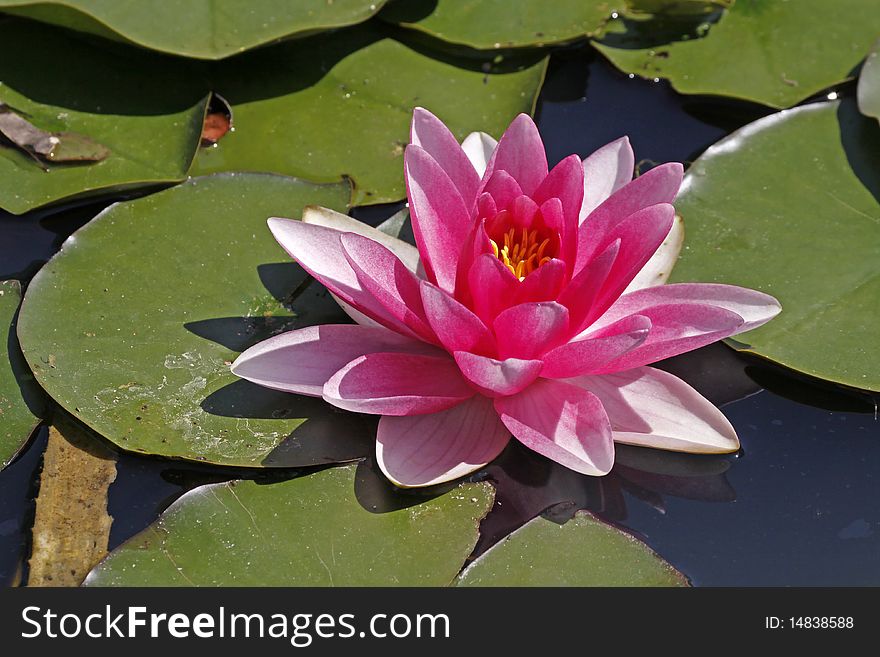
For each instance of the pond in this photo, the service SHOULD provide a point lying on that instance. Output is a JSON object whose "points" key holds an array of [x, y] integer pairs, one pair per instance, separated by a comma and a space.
{"points": [[797, 504]]}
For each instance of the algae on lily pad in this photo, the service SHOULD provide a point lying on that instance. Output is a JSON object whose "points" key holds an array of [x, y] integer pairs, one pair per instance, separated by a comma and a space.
{"points": [[772, 52], [493, 24], [582, 552], [310, 531], [158, 296], [340, 106], [138, 107], [203, 29], [790, 205], [20, 400]]}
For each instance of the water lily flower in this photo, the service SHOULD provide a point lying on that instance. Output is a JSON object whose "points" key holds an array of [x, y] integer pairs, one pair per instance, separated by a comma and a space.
{"points": [[532, 306]]}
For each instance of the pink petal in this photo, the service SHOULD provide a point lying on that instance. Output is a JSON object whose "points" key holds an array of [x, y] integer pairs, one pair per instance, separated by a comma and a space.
{"points": [[657, 270], [430, 133], [640, 235], [408, 254], [302, 361], [497, 377], [478, 146], [423, 450], [563, 422], [581, 293], [492, 286], [676, 329], [596, 349], [605, 171], [389, 281], [521, 154], [755, 308], [319, 251], [503, 189], [653, 408], [543, 284], [457, 327], [565, 182], [441, 221], [528, 330], [397, 384], [659, 185]]}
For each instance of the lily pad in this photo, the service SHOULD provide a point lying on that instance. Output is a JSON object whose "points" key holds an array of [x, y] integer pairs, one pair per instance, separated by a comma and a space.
{"points": [[138, 106], [310, 531], [205, 29], [158, 296], [772, 52], [341, 105], [869, 84], [583, 552], [18, 400], [490, 24], [790, 205]]}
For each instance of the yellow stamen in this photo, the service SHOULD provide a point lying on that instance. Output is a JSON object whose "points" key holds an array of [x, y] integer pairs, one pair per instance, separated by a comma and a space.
{"points": [[522, 256]]}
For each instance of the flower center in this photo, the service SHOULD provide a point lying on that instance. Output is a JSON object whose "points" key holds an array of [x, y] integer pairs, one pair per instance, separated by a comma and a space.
{"points": [[523, 251]]}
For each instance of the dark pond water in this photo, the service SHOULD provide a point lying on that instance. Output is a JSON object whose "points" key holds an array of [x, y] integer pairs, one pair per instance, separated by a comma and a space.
{"points": [[797, 506]]}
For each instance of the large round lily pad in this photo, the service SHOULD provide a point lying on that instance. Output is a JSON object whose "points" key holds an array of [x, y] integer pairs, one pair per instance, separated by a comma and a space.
{"points": [[341, 105], [138, 106], [19, 401], [582, 552], [773, 52], [311, 531], [132, 326], [489, 24], [790, 205], [205, 29]]}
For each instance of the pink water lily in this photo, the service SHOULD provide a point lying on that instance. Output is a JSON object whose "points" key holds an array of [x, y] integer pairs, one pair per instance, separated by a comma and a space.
{"points": [[532, 307]]}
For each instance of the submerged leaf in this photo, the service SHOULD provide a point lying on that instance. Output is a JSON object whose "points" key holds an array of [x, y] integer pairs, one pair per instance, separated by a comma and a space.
{"points": [[71, 524], [50, 147]]}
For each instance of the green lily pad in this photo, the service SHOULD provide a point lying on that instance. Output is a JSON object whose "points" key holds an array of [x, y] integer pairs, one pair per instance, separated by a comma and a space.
{"points": [[310, 531], [19, 401], [490, 24], [869, 83], [583, 552], [158, 296], [341, 105], [136, 105], [768, 51], [206, 29], [790, 205]]}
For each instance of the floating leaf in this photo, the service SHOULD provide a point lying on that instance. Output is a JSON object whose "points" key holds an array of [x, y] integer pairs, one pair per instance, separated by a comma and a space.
{"points": [[869, 84], [341, 105], [158, 296], [489, 24], [311, 531], [206, 29], [19, 401], [790, 205], [770, 51], [136, 105], [583, 552]]}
